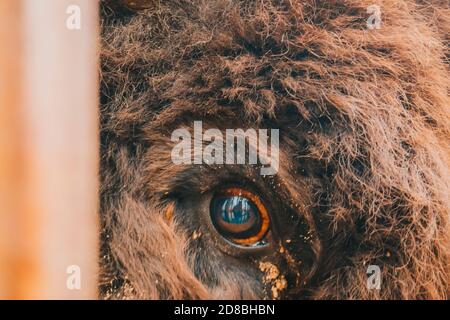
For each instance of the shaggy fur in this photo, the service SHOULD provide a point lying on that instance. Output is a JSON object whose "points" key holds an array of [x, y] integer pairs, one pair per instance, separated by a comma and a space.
{"points": [[364, 119]]}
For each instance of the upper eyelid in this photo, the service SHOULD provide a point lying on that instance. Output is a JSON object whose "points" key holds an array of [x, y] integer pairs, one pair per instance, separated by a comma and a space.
{"points": [[194, 179]]}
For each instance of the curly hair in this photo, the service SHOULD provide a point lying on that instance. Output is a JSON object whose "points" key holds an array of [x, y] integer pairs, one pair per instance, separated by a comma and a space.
{"points": [[364, 117]]}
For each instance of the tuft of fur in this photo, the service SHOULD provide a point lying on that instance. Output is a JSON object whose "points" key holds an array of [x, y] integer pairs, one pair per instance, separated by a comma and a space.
{"points": [[364, 117]]}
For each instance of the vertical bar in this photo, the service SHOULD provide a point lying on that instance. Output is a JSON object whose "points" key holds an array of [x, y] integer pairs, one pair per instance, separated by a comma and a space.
{"points": [[55, 215], [10, 140]]}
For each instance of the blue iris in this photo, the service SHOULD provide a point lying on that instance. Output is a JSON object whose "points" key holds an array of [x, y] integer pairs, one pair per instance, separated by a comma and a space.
{"points": [[235, 216], [235, 210]]}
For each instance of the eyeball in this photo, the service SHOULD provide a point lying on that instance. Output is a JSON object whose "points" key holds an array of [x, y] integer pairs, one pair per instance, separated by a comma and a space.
{"points": [[240, 217]]}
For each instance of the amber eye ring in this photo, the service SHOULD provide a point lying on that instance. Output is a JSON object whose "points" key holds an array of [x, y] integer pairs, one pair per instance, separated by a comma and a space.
{"points": [[240, 216]]}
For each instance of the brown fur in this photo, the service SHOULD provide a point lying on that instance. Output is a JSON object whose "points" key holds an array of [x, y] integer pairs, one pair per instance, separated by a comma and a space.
{"points": [[364, 118]]}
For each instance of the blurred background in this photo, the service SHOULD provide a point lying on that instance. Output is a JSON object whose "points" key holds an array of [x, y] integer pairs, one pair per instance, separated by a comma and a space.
{"points": [[48, 149]]}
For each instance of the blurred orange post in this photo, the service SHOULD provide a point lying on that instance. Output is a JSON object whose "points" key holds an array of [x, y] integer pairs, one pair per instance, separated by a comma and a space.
{"points": [[48, 149]]}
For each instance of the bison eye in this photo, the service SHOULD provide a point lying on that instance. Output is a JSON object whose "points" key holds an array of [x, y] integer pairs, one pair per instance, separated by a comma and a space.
{"points": [[240, 217]]}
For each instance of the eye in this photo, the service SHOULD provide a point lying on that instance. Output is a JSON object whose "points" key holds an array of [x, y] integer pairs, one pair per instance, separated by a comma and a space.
{"points": [[240, 217]]}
